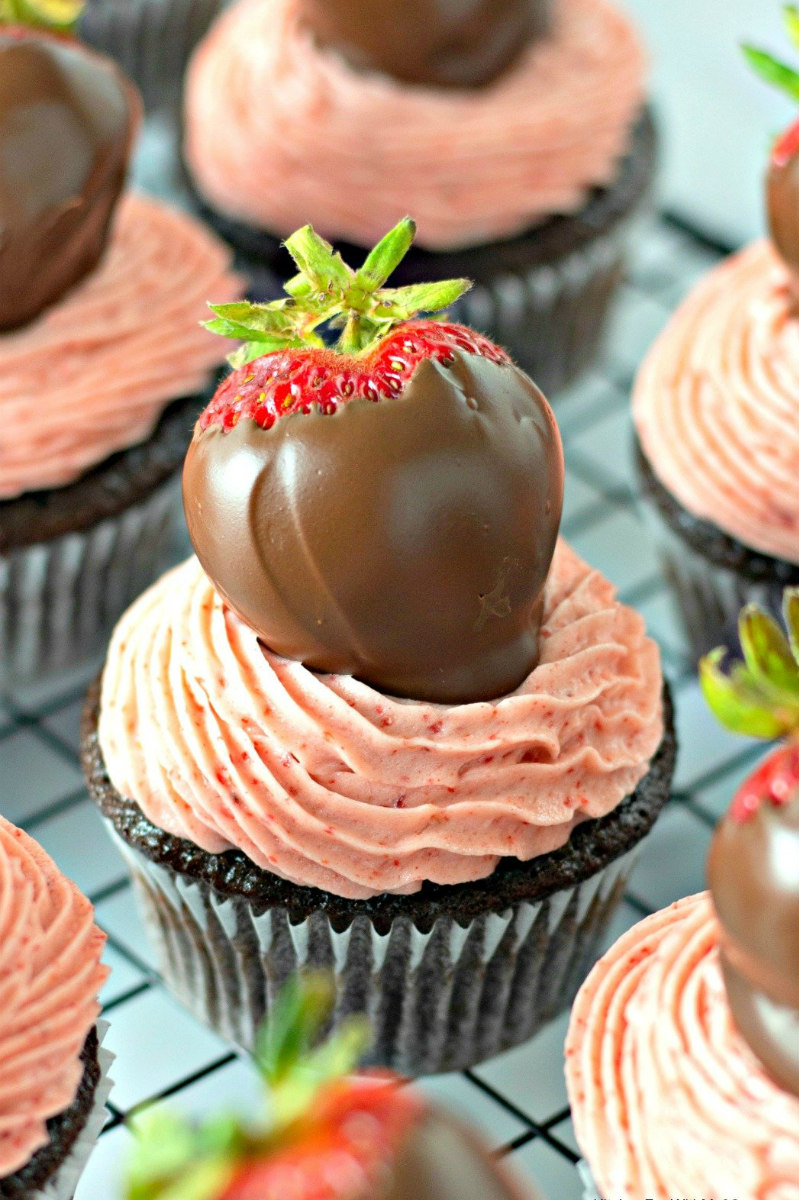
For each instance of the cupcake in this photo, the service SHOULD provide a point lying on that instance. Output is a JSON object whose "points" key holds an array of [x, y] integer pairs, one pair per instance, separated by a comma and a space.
{"points": [[152, 41], [682, 1057], [514, 132], [53, 1070], [716, 409], [385, 723], [103, 366], [324, 1134]]}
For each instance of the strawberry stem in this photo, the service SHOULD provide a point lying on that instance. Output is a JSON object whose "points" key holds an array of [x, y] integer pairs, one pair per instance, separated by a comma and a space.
{"points": [[326, 293]]}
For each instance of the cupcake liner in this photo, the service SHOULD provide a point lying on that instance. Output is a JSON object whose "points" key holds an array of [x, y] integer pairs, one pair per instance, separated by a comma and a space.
{"points": [[59, 599], [152, 40], [711, 576], [438, 999], [63, 1184], [590, 1189]]}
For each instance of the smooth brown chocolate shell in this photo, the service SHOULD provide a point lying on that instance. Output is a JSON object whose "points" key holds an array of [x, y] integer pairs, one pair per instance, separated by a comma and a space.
{"points": [[782, 199], [439, 43], [441, 1159], [405, 542], [68, 117], [753, 870]]}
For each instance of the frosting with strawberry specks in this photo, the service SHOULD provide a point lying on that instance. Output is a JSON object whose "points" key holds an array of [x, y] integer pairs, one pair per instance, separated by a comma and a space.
{"points": [[50, 976], [666, 1097], [280, 132], [716, 403], [329, 783], [94, 372]]}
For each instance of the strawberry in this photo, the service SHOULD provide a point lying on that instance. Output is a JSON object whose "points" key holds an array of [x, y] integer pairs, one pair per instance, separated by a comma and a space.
{"points": [[327, 1135], [782, 183], [387, 506], [67, 122], [753, 868]]}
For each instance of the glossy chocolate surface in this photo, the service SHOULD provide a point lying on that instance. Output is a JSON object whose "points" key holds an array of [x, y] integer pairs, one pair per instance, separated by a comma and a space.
{"points": [[67, 121], [753, 871], [443, 43], [443, 1160], [782, 197], [405, 542]]}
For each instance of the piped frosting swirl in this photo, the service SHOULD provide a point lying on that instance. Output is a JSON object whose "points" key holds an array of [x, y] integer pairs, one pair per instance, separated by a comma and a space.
{"points": [[667, 1099], [280, 131], [327, 782], [93, 373], [50, 976], [716, 403]]}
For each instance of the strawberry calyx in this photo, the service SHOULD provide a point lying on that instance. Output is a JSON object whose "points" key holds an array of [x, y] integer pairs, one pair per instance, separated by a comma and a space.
{"points": [[55, 16], [327, 294], [774, 70], [305, 1087], [759, 696]]}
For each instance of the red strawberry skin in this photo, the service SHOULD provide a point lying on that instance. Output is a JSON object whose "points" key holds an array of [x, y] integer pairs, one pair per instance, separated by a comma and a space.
{"points": [[295, 380], [775, 781], [342, 1152]]}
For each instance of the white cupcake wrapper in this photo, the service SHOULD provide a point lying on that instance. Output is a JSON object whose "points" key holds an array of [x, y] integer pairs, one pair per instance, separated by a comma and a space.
{"points": [[437, 1001], [151, 39], [59, 600], [707, 597], [590, 1189], [63, 1184]]}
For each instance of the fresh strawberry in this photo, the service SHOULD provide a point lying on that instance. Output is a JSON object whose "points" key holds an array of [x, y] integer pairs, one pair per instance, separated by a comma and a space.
{"points": [[386, 507], [327, 1135]]}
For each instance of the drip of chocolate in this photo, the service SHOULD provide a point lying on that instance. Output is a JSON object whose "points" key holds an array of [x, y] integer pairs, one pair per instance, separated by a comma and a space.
{"points": [[440, 43], [405, 542], [754, 879], [67, 121], [782, 195], [441, 1159]]}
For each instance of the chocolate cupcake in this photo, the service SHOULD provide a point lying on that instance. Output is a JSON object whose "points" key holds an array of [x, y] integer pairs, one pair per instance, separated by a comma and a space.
{"points": [[103, 367], [325, 1131], [152, 41], [403, 732], [514, 132], [716, 409], [682, 1057], [53, 1069]]}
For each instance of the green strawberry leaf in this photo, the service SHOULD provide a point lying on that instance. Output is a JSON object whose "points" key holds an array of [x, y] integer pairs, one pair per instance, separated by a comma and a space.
{"points": [[767, 653], [790, 611], [383, 260], [60, 16], [324, 269], [790, 14], [176, 1161], [772, 70], [422, 297], [735, 707]]}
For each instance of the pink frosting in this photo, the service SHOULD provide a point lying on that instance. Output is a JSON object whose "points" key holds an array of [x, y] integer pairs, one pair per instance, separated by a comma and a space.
{"points": [[50, 975], [717, 403], [327, 782], [92, 374], [280, 132], [667, 1099]]}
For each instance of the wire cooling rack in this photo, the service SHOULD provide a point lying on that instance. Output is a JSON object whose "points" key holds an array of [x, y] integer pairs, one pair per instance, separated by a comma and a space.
{"points": [[519, 1098]]}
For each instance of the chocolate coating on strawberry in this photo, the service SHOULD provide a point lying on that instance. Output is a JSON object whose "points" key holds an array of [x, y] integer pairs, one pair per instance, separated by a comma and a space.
{"points": [[782, 192], [754, 878], [67, 121], [753, 868], [405, 541], [441, 43]]}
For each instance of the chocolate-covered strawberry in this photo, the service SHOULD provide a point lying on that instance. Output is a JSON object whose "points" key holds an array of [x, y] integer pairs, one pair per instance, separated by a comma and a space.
{"points": [[455, 43], [325, 1134], [782, 180], [754, 858], [67, 121], [387, 507]]}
